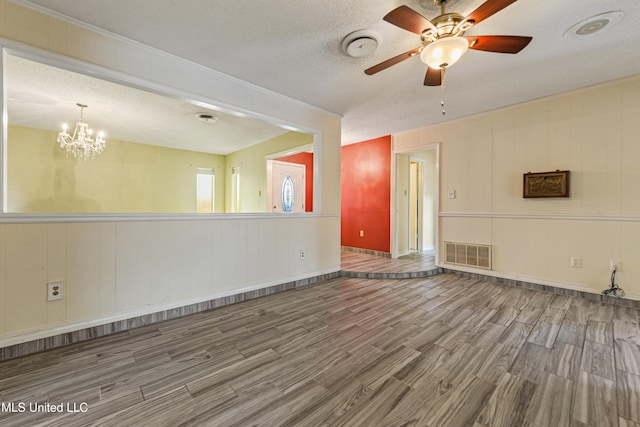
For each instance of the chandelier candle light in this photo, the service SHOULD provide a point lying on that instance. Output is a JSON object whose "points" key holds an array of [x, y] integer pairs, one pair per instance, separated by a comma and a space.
{"points": [[81, 144]]}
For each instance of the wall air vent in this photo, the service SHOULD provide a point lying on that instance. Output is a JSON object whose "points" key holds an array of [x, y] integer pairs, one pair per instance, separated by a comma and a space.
{"points": [[469, 254]]}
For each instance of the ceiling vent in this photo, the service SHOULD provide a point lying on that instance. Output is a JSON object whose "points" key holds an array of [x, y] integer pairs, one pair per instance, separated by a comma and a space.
{"points": [[594, 24], [361, 43], [207, 118]]}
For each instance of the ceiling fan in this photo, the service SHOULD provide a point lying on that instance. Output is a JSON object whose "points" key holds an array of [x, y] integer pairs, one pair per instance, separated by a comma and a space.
{"points": [[443, 41]]}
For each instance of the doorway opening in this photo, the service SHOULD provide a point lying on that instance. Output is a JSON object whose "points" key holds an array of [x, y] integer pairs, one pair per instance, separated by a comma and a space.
{"points": [[235, 189], [416, 190], [416, 204]]}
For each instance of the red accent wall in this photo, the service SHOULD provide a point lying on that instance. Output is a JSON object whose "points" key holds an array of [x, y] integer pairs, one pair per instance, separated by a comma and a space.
{"points": [[366, 194], [307, 160]]}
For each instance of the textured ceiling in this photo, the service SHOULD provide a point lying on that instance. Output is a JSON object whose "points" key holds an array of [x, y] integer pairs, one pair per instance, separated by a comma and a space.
{"points": [[293, 47], [44, 97]]}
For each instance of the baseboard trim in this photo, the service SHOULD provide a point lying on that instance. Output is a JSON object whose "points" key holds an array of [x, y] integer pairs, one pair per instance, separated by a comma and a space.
{"points": [[391, 276], [80, 335], [622, 302]]}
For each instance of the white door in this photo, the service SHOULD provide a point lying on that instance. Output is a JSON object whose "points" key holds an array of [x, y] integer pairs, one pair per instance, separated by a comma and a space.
{"points": [[287, 187]]}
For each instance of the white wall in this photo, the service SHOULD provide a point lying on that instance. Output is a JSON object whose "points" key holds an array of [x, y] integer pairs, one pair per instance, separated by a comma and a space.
{"points": [[113, 270], [402, 204], [117, 267], [592, 132]]}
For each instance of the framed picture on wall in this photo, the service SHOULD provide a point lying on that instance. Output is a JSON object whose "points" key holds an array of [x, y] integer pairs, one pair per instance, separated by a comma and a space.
{"points": [[546, 184]]}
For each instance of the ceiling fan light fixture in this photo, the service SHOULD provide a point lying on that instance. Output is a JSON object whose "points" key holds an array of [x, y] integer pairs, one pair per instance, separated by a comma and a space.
{"points": [[444, 52], [467, 24]]}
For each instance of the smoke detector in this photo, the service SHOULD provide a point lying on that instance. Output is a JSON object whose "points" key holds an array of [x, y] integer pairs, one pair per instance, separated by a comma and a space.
{"points": [[206, 118], [361, 43], [594, 24]]}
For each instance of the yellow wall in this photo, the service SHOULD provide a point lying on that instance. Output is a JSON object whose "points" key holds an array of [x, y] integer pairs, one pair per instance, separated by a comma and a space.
{"points": [[253, 169], [593, 133], [130, 177], [127, 177]]}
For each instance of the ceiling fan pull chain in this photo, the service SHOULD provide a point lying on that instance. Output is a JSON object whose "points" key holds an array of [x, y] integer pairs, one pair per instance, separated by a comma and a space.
{"points": [[442, 71]]}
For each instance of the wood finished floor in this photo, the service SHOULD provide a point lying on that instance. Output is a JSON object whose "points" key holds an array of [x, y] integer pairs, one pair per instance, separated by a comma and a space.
{"points": [[437, 351], [416, 261]]}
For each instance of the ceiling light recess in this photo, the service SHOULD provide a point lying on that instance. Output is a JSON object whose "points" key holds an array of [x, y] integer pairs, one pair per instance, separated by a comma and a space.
{"points": [[207, 118]]}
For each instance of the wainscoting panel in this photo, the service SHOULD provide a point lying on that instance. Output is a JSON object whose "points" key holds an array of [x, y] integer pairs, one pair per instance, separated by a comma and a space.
{"points": [[18, 350]]}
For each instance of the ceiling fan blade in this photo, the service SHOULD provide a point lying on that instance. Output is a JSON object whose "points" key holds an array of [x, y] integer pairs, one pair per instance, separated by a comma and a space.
{"points": [[410, 20], [393, 61], [485, 10], [433, 77], [500, 44]]}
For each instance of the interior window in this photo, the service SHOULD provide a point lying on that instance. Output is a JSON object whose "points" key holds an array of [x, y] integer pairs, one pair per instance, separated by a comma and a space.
{"points": [[144, 161]]}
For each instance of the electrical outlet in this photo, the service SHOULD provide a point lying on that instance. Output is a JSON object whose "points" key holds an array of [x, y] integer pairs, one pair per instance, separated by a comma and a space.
{"points": [[361, 233], [302, 254], [576, 262], [614, 265], [55, 291], [452, 194]]}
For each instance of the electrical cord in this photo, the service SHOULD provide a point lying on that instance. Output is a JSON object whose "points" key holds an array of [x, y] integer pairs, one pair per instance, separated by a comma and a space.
{"points": [[614, 290]]}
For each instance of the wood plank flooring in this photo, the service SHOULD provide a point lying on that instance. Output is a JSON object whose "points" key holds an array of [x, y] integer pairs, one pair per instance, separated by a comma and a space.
{"points": [[437, 351], [414, 262]]}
